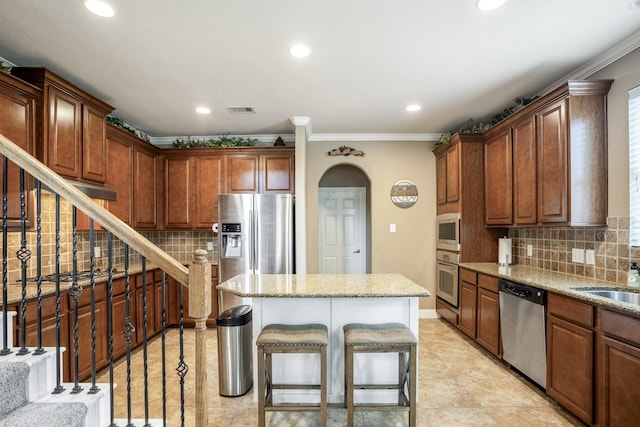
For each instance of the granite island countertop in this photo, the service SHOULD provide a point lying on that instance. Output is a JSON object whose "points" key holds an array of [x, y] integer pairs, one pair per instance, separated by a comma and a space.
{"points": [[322, 286], [558, 283]]}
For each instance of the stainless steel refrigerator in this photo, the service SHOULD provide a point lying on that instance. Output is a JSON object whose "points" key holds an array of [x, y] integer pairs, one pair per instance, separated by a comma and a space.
{"points": [[255, 236]]}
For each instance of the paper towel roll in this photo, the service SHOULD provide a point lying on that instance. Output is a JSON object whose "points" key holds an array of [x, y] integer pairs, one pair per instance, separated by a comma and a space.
{"points": [[504, 251]]}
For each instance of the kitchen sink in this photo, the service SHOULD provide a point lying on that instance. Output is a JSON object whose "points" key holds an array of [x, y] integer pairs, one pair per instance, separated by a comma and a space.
{"points": [[631, 297]]}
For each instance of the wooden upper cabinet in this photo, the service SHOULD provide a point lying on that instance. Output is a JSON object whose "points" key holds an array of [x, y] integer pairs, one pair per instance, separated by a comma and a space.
{"points": [[441, 178], [208, 184], [192, 185], [552, 164], [145, 195], [498, 179], [71, 126], [179, 194], [453, 174], [448, 186], [260, 172], [17, 122], [242, 173], [94, 145], [65, 133], [524, 172], [559, 167], [120, 160], [278, 173]]}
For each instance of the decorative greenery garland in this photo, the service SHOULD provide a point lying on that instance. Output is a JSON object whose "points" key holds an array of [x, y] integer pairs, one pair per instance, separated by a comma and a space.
{"points": [[221, 141], [470, 127]]}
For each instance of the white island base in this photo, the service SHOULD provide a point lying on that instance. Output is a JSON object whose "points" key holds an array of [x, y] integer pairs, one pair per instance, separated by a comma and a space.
{"points": [[334, 313]]}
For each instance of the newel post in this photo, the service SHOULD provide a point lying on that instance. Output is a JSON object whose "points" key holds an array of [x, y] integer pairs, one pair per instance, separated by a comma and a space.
{"points": [[199, 309]]}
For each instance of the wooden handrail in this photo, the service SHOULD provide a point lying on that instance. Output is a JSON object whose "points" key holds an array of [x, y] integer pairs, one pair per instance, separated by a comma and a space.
{"points": [[83, 202]]}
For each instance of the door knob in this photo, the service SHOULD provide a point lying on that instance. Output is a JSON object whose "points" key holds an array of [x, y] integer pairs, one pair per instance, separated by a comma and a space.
{"points": [[357, 251]]}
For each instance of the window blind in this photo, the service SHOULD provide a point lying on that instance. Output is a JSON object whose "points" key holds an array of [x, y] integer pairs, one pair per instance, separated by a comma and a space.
{"points": [[634, 166]]}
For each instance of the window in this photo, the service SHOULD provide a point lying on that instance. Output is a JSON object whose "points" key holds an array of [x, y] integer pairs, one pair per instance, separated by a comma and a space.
{"points": [[634, 166]]}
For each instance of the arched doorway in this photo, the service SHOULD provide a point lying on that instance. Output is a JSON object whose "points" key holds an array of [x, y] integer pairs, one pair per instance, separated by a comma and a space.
{"points": [[344, 218]]}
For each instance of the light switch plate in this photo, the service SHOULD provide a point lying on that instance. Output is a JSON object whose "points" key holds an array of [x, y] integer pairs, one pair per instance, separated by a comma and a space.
{"points": [[392, 228], [577, 255], [590, 257], [96, 251], [529, 250], [209, 246]]}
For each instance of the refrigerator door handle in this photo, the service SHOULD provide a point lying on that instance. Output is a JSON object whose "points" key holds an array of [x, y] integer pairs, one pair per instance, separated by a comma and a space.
{"points": [[253, 245]]}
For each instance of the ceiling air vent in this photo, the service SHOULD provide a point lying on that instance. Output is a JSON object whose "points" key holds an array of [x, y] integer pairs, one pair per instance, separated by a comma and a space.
{"points": [[241, 110]]}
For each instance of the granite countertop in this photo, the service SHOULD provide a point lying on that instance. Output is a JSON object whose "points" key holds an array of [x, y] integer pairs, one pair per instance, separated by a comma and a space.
{"points": [[558, 283], [322, 286]]}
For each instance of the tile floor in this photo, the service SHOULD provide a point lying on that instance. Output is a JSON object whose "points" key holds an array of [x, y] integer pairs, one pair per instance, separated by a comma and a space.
{"points": [[459, 385]]}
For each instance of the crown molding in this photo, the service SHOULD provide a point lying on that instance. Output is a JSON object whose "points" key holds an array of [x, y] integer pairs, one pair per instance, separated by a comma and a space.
{"points": [[303, 121], [367, 137], [601, 61]]}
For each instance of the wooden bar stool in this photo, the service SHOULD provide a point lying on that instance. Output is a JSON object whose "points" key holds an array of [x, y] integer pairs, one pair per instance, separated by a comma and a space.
{"points": [[278, 338], [381, 338]]}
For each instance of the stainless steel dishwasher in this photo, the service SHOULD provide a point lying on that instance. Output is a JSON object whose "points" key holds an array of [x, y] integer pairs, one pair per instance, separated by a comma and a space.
{"points": [[522, 322]]}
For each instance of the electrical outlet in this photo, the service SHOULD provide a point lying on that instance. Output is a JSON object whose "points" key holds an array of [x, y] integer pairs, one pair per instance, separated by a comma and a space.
{"points": [[590, 257], [392, 228], [96, 251], [209, 246], [577, 255], [529, 250]]}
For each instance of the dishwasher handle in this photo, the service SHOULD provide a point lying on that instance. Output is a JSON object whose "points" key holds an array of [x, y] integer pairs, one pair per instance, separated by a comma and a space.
{"points": [[528, 293]]}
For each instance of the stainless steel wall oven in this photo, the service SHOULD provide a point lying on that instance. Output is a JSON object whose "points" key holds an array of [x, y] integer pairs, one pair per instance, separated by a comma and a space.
{"points": [[447, 276]]}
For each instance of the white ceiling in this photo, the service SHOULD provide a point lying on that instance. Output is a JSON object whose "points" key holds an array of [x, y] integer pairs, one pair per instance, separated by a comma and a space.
{"points": [[156, 60]]}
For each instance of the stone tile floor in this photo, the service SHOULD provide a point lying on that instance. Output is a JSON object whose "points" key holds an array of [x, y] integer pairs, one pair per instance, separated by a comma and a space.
{"points": [[459, 385]]}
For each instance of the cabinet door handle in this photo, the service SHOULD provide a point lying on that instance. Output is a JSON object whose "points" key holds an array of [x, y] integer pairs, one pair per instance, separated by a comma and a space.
{"points": [[357, 251]]}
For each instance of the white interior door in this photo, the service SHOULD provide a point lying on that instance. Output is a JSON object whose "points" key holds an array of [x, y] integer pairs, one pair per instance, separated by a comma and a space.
{"points": [[342, 228]]}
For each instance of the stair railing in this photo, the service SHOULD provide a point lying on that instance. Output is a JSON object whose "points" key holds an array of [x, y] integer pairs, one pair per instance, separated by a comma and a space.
{"points": [[197, 278]]}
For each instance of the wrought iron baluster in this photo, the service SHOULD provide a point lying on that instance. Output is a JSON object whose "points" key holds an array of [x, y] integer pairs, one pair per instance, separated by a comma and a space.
{"points": [[128, 331], [39, 349], [59, 388], [75, 292], [110, 328], [24, 255], [5, 298], [92, 266], [145, 371], [164, 348], [182, 368]]}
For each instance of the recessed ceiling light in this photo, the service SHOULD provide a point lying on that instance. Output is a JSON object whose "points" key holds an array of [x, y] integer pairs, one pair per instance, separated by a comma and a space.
{"points": [[100, 8], [203, 110], [300, 51], [489, 4], [413, 107]]}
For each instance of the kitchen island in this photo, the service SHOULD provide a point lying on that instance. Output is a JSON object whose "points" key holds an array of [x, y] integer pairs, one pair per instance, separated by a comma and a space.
{"points": [[333, 300]]}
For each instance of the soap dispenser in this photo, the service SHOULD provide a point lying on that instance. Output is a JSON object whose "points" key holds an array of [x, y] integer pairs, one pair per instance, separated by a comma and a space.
{"points": [[633, 276]]}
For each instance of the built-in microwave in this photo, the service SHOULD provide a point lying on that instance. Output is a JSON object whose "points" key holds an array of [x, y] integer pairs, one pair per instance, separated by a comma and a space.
{"points": [[448, 232]]}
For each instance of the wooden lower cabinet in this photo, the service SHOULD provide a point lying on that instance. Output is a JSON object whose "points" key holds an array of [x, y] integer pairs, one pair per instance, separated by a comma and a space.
{"points": [[467, 297], [488, 314], [85, 341], [447, 312], [618, 369], [570, 365]]}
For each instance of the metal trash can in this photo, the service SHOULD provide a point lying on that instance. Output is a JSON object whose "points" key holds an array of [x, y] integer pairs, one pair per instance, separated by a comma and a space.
{"points": [[235, 374]]}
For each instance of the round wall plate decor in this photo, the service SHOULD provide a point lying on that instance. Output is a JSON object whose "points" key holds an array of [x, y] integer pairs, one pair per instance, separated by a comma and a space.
{"points": [[404, 194]]}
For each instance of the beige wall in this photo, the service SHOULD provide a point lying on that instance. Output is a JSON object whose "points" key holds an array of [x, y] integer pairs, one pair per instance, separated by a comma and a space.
{"points": [[626, 75], [411, 250]]}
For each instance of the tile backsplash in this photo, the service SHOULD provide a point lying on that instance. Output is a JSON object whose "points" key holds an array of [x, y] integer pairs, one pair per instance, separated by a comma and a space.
{"points": [[178, 244], [552, 249]]}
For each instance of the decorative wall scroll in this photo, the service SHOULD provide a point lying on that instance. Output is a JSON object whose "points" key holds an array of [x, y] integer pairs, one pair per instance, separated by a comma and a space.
{"points": [[404, 194], [345, 151]]}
